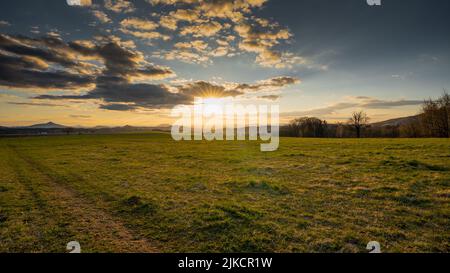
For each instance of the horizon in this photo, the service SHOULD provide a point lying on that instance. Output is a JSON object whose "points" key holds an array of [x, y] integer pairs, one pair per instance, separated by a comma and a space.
{"points": [[111, 63], [169, 125]]}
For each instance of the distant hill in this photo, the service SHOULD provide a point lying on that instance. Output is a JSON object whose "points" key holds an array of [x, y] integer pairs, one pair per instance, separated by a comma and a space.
{"points": [[396, 121], [54, 128], [49, 125]]}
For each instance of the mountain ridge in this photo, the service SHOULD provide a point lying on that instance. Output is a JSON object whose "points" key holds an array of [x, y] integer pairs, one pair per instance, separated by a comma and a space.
{"points": [[52, 125], [48, 125]]}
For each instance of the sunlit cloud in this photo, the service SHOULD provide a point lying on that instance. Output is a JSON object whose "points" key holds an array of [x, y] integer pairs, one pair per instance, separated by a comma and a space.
{"points": [[206, 18], [146, 35], [139, 24], [119, 6], [202, 30], [101, 16]]}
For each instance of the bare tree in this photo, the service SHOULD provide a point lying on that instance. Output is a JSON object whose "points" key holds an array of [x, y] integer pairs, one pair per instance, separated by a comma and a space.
{"points": [[444, 104], [411, 129], [359, 121], [436, 116], [308, 127]]}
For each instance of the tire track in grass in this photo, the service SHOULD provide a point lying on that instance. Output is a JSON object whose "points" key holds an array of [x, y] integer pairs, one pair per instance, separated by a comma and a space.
{"points": [[78, 218], [31, 214]]}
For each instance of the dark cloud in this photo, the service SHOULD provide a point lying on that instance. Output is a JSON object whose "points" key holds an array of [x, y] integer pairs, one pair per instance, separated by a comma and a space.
{"points": [[118, 107], [36, 104], [120, 95], [49, 62], [123, 62], [23, 72], [278, 82], [139, 94], [16, 46], [124, 96]]}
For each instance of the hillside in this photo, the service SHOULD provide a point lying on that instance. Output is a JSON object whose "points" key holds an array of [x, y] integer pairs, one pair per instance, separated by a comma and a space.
{"points": [[49, 125], [397, 121]]}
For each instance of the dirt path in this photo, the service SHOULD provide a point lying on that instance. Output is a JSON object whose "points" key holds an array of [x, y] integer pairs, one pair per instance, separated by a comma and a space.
{"points": [[76, 217]]}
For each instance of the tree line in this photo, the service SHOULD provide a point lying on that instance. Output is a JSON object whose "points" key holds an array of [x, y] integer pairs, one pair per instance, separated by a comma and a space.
{"points": [[433, 121]]}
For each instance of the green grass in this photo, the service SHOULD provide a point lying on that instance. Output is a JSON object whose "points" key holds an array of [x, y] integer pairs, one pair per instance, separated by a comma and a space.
{"points": [[145, 192]]}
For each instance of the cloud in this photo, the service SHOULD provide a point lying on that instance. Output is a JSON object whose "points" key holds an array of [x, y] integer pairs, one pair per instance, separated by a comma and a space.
{"points": [[260, 37], [80, 116], [139, 24], [361, 102], [207, 89], [123, 96], [147, 35], [230, 9], [233, 20], [216, 8], [184, 55], [220, 51], [118, 107], [273, 83], [324, 110], [209, 18], [23, 46], [8, 96], [198, 45], [26, 72], [168, 22], [121, 62], [119, 95], [109, 71], [4, 24], [50, 63], [171, 20], [171, 2], [119, 6], [196, 51], [270, 97], [380, 104], [202, 30], [36, 104], [188, 15], [101, 16], [86, 2]]}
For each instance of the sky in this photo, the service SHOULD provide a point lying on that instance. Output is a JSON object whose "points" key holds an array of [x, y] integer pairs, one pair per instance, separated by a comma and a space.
{"points": [[117, 62]]}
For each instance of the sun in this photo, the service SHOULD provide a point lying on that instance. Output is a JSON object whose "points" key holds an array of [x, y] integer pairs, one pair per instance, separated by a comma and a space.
{"points": [[213, 101]]}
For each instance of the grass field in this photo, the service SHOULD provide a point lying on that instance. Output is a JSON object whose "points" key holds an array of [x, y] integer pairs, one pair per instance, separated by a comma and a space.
{"points": [[145, 192]]}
